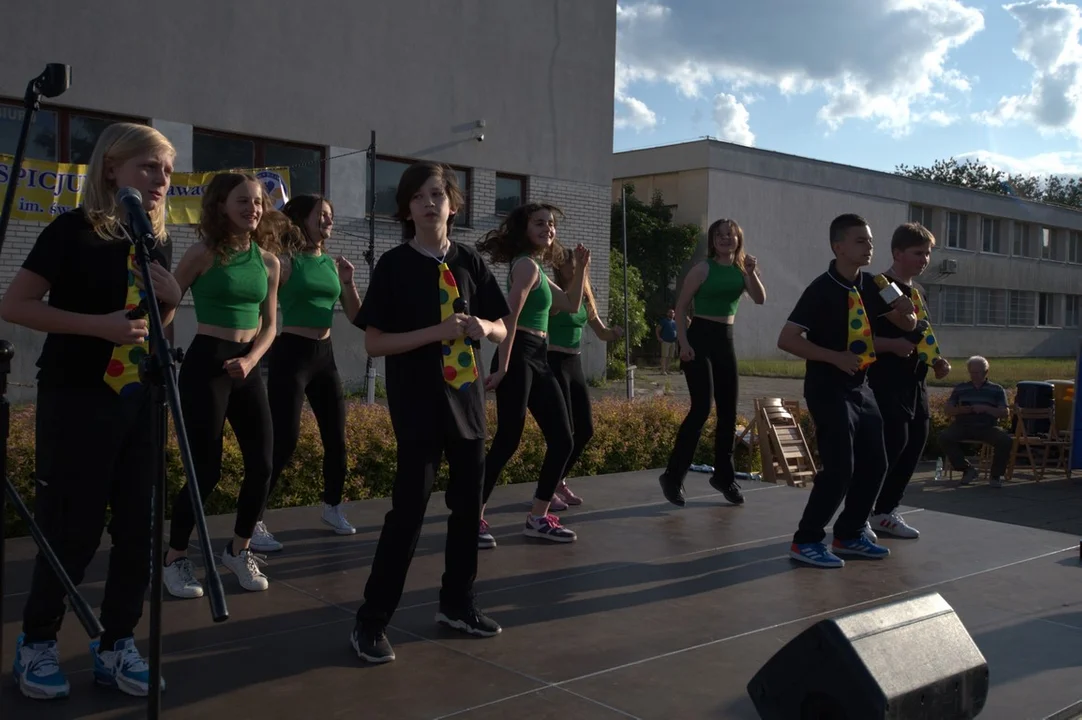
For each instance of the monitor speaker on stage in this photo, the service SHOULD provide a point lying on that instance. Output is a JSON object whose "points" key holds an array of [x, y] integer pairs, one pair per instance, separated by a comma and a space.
{"points": [[906, 660]]}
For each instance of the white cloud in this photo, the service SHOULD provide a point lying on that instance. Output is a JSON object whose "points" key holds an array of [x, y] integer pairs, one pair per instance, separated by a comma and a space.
{"points": [[1048, 39], [732, 119], [636, 114], [1067, 162], [884, 61]]}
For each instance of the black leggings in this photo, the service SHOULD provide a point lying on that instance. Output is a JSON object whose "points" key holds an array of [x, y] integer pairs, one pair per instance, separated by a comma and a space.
{"points": [[529, 384], [300, 367], [93, 449], [567, 367], [713, 373], [209, 397]]}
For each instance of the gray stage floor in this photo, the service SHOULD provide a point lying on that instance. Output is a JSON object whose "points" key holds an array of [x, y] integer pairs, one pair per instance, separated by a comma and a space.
{"points": [[656, 612]]}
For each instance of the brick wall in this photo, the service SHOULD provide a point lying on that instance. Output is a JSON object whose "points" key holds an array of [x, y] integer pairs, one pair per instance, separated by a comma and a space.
{"points": [[587, 209]]}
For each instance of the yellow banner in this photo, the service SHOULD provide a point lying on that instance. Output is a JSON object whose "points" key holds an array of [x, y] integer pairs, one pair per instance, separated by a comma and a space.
{"points": [[47, 189]]}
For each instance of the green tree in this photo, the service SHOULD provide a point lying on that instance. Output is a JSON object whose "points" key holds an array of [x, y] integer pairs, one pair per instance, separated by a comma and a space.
{"points": [[976, 175], [638, 326], [655, 245]]}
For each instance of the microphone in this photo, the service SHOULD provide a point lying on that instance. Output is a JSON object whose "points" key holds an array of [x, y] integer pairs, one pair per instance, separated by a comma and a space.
{"points": [[132, 201], [887, 289]]}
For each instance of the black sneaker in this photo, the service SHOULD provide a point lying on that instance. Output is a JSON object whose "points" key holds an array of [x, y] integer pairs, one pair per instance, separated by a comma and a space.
{"points": [[672, 489], [730, 489], [471, 621], [371, 644]]}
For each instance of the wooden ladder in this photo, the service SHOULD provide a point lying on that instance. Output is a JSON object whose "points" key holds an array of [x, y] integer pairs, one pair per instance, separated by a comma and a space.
{"points": [[782, 445]]}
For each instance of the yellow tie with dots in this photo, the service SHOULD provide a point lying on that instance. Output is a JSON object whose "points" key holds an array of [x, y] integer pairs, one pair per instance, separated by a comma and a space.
{"points": [[122, 373], [459, 362], [860, 330], [928, 349]]}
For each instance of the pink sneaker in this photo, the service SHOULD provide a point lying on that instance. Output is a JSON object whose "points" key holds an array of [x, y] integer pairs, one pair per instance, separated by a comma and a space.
{"points": [[565, 494], [557, 503]]}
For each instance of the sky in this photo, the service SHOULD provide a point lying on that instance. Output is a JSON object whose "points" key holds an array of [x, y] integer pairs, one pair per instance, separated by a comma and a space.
{"points": [[870, 83]]}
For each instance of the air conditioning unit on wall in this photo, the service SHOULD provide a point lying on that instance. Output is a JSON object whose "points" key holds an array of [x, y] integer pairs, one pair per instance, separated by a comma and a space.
{"points": [[948, 266]]}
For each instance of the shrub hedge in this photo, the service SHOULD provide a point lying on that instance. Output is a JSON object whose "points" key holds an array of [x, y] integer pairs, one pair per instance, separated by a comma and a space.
{"points": [[624, 440]]}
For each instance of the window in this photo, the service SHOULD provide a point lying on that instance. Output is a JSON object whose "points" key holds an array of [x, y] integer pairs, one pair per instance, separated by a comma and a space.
{"points": [[957, 226], [1046, 310], [990, 236], [1021, 308], [56, 134], [1070, 311], [1054, 244], [389, 172], [921, 214], [510, 193], [214, 151], [957, 305], [991, 307], [1074, 248], [1023, 241]]}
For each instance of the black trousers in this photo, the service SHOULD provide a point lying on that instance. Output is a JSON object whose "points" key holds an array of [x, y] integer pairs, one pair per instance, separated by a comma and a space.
{"points": [[529, 384], [567, 368], [209, 397], [904, 437], [849, 431], [94, 450], [712, 375], [300, 367], [402, 525]]}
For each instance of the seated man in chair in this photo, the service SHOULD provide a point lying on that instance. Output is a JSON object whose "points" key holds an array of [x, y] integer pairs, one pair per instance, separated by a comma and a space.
{"points": [[975, 409]]}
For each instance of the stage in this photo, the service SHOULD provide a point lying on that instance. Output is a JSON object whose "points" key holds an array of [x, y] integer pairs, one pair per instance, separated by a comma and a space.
{"points": [[656, 612]]}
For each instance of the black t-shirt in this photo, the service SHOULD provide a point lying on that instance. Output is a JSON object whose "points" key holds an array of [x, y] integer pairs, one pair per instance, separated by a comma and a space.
{"points": [[86, 274], [899, 383], [404, 295], [823, 312]]}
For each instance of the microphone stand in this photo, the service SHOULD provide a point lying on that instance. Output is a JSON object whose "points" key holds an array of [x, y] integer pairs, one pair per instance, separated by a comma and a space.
{"points": [[158, 371], [53, 81]]}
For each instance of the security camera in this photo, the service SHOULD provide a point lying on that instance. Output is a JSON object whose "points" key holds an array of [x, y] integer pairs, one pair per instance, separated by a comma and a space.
{"points": [[480, 137]]}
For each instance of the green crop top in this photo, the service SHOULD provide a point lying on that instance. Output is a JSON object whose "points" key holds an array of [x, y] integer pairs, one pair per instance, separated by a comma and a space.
{"points": [[565, 329], [720, 293], [309, 296], [535, 311], [230, 295]]}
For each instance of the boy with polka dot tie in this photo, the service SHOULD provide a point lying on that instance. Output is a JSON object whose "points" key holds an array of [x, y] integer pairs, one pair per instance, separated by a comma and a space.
{"points": [[831, 330], [428, 304]]}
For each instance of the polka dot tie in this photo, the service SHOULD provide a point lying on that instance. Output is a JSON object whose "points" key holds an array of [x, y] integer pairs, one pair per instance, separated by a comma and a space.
{"points": [[860, 330], [459, 361], [928, 349], [122, 373]]}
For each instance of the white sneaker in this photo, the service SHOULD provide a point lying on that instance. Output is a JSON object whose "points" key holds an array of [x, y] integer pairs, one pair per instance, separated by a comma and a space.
{"points": [[869, 533], [334, 516], [262, 540], [179, 579], [246, 567], [894, 524]]}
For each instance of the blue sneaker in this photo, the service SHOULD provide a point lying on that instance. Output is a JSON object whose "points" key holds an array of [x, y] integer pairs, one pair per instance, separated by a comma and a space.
{"points": [[37, 670], [862, 546], [816, 554], [122, 667]]}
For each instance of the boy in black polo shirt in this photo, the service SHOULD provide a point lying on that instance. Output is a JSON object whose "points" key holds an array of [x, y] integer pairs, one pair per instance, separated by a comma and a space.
{"points": [[898, 379], [428, 304], [829, 328]]}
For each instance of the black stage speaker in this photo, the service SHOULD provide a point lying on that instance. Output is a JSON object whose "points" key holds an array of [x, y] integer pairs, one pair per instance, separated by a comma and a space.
{"points": [[906, 660]]}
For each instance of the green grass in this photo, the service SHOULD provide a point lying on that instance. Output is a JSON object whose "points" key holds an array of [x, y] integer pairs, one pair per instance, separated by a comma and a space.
{"points": [[1005, 371]]}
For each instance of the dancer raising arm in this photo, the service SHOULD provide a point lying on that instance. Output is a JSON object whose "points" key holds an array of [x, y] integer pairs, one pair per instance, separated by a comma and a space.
{"points": [[233, 274], [301, 361], [565, 359], [521, 375], [429, 303], [708, 356], [94, 432]]}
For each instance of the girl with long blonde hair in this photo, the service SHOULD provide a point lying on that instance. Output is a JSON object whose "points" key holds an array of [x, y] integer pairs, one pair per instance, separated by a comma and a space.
{"points": [[95, 420]]}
